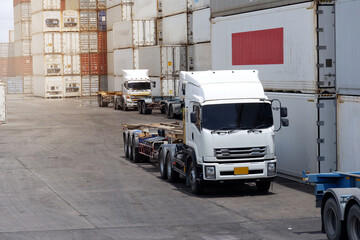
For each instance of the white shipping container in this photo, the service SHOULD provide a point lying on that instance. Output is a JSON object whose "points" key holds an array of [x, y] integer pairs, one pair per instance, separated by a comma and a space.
{"points": [[94, 85], [297, 147], [201, 26], [43, 5], [348, 117], [15, 85], [103, 85], [110, 41], [70, 20], [171, 7], [89, 42], [198, 4], [163, 61], [110, 63], [111, 83], [165, 87], [347, 47], [11, 36], [145, 9], [11, 50], [71, 43], [4, 50], [118, 13], [43, 43], [48, 87], [72, 86], [175, 29], [85, 86], [2, 102], [134, 34], [22, 48], [28, 85], [22, 31], [22, 12], [88, 4], [47, 65], [48, 21], [298, 71], [199, 57], [71, 64], [88, 21], [125, 59]]}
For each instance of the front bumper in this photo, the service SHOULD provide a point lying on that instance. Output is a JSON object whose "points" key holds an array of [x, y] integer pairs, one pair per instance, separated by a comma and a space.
{"points": [[227, 171]]}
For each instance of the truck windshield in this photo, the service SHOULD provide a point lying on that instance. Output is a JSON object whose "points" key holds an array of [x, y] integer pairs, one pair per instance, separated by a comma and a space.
{"points": [[242, 116], [139, 85]]}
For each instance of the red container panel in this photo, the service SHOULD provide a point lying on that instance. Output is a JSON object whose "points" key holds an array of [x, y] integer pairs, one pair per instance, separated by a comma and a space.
{"points": [[23, 66], [102, 42], [4, 68], [103, 64], [85, 63], [258, 47], [11, 67], [16, 2], [94, 64]]}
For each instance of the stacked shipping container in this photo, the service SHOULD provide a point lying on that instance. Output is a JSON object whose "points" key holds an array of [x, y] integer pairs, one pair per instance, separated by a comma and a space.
{"points": [[298, 69], [22, 47]]}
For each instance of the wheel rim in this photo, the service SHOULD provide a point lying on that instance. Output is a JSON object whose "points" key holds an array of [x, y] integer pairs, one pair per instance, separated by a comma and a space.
{"points": [[331, 222], [355, 227], [168, 167]]}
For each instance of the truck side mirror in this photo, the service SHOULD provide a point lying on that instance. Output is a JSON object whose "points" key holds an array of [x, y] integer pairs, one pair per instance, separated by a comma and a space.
{"points": [[283, 112], [193, 117], [284, 122]]}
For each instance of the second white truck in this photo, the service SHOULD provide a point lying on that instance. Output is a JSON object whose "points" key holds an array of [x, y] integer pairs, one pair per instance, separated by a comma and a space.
{"points": [[227, 134]]}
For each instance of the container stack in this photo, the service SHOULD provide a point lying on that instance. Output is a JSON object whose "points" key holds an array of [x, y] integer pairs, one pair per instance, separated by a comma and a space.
{"points": [[93, 45], [22, 46], [158, 36], [347, 84], [298, 69], [4, 60]]}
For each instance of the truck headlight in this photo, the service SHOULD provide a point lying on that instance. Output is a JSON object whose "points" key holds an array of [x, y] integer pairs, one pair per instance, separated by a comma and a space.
{"points": [[210, 172], [271, 169]]}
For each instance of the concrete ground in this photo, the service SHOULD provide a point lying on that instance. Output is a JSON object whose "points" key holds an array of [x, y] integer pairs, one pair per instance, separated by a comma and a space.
{"points": [[63, 175]]}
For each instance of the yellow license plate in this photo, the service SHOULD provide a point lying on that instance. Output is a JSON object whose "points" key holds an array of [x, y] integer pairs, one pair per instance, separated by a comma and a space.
{"points": [[241, 171]]}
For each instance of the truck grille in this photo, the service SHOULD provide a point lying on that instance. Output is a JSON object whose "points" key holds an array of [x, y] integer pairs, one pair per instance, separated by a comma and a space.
{"points": [[240, 153]]}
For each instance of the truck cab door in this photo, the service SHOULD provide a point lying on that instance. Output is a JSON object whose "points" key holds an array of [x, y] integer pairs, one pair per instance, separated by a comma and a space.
{"points": [[193, 133]]}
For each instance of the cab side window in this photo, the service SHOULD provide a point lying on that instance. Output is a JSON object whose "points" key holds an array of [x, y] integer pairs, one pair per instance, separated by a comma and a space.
{"points": [[196, 109]]}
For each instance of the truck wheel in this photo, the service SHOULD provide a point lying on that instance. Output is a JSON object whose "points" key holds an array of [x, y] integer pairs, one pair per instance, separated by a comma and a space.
{"points": [[166, 109], [123, 106], [99, 100], [353, 223], [195, 186], [162, 109], [126, 147], [140, 108], [116, 106], [263, 186], [172, 176], [130, 148], [135, 151], [163, 174], [333, 226], [143, 107], [171, 112]]}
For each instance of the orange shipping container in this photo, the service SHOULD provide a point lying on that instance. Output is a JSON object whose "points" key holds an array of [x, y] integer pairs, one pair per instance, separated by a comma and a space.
{"points": [[4, 67], [16, 2], [103, 64], [23, 66], [102, 42], [11, 67]]}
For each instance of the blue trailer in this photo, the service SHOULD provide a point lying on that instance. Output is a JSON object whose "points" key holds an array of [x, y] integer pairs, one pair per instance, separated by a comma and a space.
{"points": [[338, 195]]}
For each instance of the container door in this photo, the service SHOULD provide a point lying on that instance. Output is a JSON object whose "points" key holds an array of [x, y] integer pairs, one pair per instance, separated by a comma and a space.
{"points": [[326, 46], [327, 135]]}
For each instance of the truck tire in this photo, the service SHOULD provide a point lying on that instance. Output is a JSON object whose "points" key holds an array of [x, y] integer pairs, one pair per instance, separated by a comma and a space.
{"points": [[162, 167], [196, 187], [130, 148], [126, 147], [334, 227], [172, 176], [263, 186], [116, 104], [140, 107], [353, 223], [135, 151], [171, 112], [99, 100]]}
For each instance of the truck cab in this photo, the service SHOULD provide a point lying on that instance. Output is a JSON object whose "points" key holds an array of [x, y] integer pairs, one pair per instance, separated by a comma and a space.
{"points": [[135, 84], [229, 126]]}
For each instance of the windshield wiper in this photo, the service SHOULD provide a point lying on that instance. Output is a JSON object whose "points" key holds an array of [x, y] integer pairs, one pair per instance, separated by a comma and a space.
{"points": [[222, 129]]}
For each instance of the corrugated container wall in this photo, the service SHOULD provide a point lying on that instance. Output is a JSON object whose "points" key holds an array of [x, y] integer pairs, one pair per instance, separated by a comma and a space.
{"points": [[2, 103], [231, 7], [347, 47], [290, 65], [45, 5]]}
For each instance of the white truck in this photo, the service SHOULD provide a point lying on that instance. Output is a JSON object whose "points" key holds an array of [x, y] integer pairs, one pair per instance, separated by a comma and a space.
{"points": [[227, 134], [134, 84]]}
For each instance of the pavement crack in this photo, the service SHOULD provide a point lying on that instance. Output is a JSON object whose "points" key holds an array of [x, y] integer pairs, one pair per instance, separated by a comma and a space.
{"points": [[56, 194]]}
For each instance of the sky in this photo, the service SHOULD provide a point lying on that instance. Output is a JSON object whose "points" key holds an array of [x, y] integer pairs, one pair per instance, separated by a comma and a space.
{"points": [[6, 19]]}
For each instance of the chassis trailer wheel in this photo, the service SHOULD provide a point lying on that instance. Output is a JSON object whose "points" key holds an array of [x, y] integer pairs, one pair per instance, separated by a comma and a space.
{"points": [[195, 186], [126, 147], [135, 152], [334, 227], [172, 176], [162, 168], [353, 223]]}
